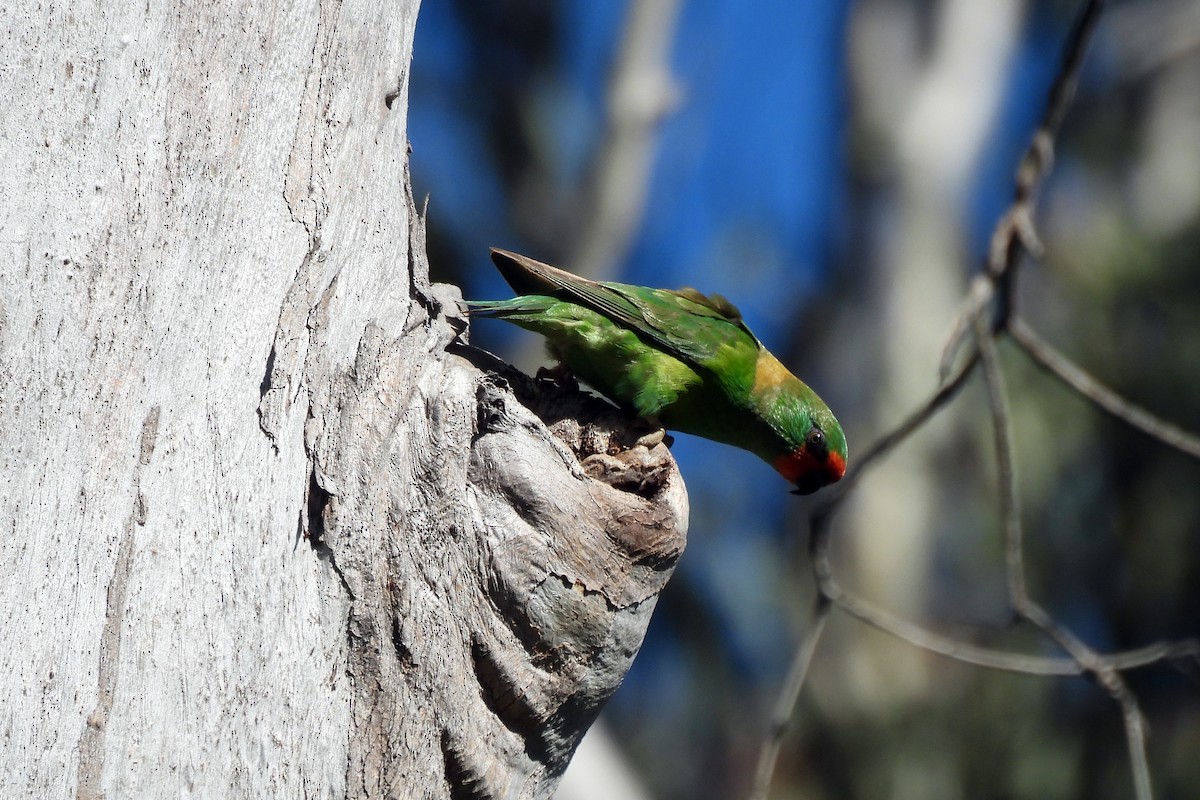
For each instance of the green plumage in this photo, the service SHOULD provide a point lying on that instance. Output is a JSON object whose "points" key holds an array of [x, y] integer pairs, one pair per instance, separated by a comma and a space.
{"points": [[680, 357]]}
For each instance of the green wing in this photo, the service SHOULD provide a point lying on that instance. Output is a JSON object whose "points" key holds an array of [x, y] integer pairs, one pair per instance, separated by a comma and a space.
{"points": [[704, 331]]}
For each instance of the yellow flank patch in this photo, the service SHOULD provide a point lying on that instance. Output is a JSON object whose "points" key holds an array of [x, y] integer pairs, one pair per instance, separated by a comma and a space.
{"points": [[768, 372]]}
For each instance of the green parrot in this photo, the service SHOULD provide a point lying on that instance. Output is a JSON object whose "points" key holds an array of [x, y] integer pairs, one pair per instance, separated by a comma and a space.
{"points": [[679, 357]]}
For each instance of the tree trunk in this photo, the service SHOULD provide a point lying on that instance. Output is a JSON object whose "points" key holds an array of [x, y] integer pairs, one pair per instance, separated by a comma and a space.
{"points": [[270, 528]]}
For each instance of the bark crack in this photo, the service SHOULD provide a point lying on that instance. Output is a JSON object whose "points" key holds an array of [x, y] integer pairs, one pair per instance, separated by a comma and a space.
{"points": [[92, 740], [289, 349], [303, 194], [316, 502]]}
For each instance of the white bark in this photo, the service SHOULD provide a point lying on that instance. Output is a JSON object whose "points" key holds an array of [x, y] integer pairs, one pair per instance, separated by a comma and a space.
{"points": [[266, 529]]}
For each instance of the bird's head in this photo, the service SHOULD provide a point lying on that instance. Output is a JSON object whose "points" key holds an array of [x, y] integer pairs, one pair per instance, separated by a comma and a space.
{"points": [[815, 463], [806, 444], [819, 458]]}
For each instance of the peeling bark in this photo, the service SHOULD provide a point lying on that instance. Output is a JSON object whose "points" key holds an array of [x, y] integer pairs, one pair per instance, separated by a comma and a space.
{"points": [[271, 527]]}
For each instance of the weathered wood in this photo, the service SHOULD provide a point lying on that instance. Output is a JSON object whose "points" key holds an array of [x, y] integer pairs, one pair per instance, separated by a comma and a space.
{"points": [[269, 528]]}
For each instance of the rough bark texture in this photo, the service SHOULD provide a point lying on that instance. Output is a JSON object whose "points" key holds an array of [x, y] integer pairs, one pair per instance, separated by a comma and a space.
{"points": [[268, 526]]}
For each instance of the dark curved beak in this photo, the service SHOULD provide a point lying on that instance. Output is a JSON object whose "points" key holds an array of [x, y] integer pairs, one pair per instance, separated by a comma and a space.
{"points": [[810, 483]]}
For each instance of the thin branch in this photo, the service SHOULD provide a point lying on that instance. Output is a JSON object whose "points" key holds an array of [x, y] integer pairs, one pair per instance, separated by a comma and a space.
{"points": [[941, 396], [991, 658], [1010, 499], [1048, 358], [1025, 606], [979, 294], [830, 592], [789, 694], [1062, 92], [785, 706], [954, 649], [1015, 233], [1183, 650], [829, 587], [1135, 741]]}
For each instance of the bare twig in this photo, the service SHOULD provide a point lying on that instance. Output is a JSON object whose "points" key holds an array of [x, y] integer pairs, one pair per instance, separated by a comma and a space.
{"points": [[829, 587], [964, 652], [1185, 650], [1062, 92], [830, 592], [786, 704], [941, 396], [991, 658], [1046, 356], [1010, 499], [979, 294], [1015, 232], [1025, 606]]}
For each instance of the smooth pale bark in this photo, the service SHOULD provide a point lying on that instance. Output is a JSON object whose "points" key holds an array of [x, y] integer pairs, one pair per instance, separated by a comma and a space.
{"points": [[268, 527]]}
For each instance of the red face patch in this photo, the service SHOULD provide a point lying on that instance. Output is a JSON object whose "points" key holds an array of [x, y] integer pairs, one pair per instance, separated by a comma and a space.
{"points": [[836, 467], [808, 472], [795, 465]]}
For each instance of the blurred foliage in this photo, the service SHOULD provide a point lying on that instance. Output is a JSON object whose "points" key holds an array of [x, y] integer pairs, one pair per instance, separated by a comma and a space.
{"points": [[507, 103]]}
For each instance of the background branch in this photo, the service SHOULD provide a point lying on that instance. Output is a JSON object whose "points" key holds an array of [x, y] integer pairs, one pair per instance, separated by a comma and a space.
{"points": [[987, 313], [1015, 232], [786, 705], [1046, 356], [1024, 605]]}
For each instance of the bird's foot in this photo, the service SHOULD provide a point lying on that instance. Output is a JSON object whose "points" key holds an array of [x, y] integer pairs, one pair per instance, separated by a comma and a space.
{"points": [[655, 438], [651, 439], [559, 375]]}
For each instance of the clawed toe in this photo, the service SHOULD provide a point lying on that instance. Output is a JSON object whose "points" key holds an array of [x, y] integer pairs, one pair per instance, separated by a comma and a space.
{"points": [[560, 375]]}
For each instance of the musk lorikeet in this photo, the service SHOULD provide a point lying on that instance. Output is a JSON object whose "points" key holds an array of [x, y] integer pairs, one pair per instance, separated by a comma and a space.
{"points": [[679, 357]]}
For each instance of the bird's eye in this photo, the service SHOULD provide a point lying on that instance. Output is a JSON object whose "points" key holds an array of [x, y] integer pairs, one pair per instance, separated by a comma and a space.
{"points": [[815, 438]]}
